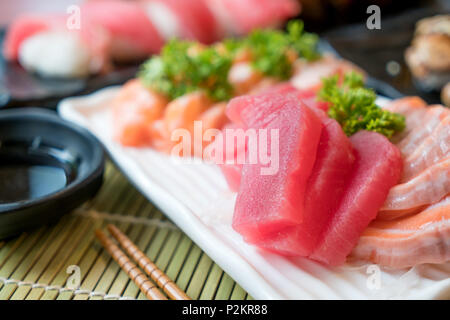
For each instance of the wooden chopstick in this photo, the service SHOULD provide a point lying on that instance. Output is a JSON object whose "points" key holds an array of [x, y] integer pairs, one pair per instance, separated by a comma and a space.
{"points": [[159, 277], [133, 271]]}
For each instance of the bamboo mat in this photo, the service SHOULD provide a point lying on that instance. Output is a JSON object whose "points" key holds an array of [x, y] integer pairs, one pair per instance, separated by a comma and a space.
{"points": [[34, 264]]}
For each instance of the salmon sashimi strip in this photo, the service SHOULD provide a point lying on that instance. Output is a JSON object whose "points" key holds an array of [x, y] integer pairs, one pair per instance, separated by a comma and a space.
{"points": [[433, 149], [425, 146], [431, 119], [183, 111], [412, 108], [195, 113], [134, 110], [405, 242], [212, 120], [406, 105], [428, 187]]}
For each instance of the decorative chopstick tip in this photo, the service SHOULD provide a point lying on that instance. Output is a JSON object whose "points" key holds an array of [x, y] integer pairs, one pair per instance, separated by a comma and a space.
{"points": [[158, 276], [131, 269]]}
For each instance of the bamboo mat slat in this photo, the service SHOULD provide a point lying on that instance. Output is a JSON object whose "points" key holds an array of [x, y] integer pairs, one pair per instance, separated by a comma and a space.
{"points": [[225, 288], [33, 265]]}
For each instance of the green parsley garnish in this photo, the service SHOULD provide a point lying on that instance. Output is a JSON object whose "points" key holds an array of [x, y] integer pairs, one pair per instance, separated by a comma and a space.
{"points": [[270, 49], [303, 43], [353, 106], [184, 67]]}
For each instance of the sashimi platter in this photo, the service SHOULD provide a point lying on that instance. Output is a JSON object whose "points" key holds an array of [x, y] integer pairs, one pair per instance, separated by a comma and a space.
{"points": [[279, 162]]}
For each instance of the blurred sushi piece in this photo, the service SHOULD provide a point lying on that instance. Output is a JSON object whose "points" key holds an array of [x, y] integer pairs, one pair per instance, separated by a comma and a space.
{"points": [[187, 19], [133, 36], [45, 45], [428, 57], [129, 31], [241, 16]]}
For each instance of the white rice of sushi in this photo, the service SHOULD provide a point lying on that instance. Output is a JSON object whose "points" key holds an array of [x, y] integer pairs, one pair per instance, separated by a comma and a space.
{"points": [[59, 54]]}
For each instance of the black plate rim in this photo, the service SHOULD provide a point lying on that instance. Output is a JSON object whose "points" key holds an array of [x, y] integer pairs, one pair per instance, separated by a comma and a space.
{"points": [[95, 171]]}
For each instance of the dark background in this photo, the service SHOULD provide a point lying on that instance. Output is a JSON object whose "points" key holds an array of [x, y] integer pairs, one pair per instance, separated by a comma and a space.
{"points": [[373, 49]]}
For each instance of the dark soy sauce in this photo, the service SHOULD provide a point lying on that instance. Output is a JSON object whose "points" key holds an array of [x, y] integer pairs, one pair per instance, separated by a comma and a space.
{"points": [[26, 182]]}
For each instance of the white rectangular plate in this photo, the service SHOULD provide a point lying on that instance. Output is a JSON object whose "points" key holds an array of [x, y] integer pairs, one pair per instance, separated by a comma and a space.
{"points": [[195, 196]]}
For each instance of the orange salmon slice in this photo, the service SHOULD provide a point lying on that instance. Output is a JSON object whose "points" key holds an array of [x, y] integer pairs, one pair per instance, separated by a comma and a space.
{"points": [[408, 241]]}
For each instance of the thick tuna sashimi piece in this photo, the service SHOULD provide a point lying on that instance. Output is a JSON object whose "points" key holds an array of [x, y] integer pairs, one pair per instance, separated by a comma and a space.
{"points": [[230, 159], [232, 174], [239, 112], [377, 168], [232, 171], [308, 96], [268, 203], [324, 190], [248, 110]]}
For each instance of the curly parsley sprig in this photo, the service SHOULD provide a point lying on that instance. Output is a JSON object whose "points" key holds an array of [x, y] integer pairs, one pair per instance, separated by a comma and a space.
{"points": [[184, 67], [353, 106], [272, 51]]}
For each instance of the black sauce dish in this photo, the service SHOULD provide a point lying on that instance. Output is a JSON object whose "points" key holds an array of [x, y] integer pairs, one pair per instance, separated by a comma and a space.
{"points": [[48, 167]]}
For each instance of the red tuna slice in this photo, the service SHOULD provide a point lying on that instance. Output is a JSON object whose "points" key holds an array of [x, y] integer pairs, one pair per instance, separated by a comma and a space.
{"points": [[242, 109], [24, 27], [232, 158], [232, 174], [308, 96], [281, 88], [377, 168], [195, 18], [268, 203], [233, 171], [245, 110], [127, 24], [251, 111], [324, 190]]}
